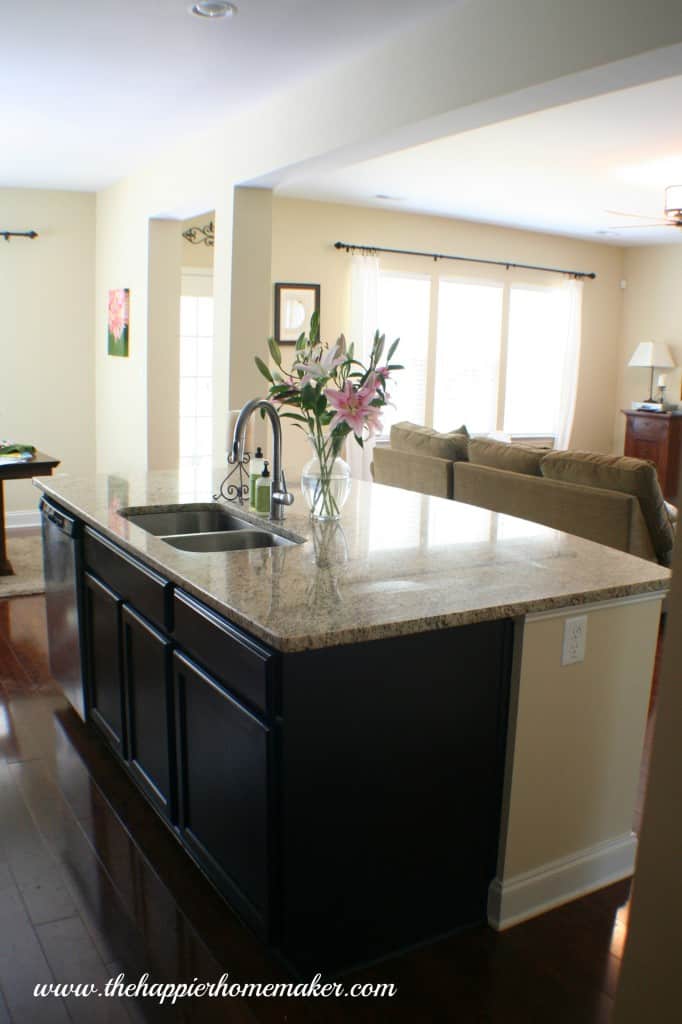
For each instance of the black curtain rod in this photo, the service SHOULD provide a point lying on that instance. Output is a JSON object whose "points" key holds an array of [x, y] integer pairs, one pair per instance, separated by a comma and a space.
{"points": [[17, 234], [349, 247]]}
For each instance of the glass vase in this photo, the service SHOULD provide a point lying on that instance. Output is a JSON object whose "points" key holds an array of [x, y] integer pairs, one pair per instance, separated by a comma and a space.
{"points": [[325, 480]]}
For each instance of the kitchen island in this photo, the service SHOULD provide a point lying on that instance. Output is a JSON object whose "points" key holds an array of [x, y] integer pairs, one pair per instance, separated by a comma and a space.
{"points": [[359, 736]]}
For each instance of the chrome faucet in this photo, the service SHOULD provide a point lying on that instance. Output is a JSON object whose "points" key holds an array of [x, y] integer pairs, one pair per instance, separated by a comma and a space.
{"points": [[279, 495]]}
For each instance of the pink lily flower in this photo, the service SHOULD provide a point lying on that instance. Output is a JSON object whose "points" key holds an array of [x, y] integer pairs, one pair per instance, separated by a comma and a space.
{"points": [[319, 368], [350, 406]]}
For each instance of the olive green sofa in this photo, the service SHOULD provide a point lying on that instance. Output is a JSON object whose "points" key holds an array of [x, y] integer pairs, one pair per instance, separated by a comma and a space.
{"points": [[609, 499]]}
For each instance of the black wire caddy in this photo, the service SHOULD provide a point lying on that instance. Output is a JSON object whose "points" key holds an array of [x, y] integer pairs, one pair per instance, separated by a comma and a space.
{"points": [[239, 489]]}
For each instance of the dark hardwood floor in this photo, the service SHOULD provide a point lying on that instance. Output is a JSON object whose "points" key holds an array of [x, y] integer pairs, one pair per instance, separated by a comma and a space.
{"points": [[82, 900]]}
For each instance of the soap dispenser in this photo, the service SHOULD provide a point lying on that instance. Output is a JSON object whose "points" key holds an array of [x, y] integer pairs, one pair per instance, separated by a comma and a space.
{"points": [[263, 491], [255, 471]]}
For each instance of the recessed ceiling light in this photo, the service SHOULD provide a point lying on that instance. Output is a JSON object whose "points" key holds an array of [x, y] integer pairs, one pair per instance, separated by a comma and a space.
{"points": [[387, 198], [213, 9]]}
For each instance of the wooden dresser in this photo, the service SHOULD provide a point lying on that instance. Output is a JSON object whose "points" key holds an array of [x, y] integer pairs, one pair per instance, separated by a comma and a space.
{"points": [[656, 436]]}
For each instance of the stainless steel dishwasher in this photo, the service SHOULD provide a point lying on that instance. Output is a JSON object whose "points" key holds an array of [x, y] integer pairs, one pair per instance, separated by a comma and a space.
{"points": [[61, 562]]}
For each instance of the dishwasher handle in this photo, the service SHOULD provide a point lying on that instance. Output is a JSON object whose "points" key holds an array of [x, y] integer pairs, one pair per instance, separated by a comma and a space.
{"points": [[58, 518]]}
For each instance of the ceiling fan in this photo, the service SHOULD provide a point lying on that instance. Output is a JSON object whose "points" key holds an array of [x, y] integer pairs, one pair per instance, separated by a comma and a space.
{"points": [[673, 213]]}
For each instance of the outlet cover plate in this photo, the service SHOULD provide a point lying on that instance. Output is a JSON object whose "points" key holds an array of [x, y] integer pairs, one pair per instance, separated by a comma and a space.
{"points": [[575, 640]]}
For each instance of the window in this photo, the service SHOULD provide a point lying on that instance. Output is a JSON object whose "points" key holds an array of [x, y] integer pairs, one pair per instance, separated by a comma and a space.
{"points": [[500, 352], [196, 384], [535, 354], [403, 312], [467, 355]]}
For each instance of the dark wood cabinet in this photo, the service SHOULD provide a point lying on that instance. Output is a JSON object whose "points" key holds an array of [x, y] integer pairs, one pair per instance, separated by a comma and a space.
{"points": [[243, 664], [656, 436], [147, 591], [104, 677], [223, 753], [150, 717], [345, 801], [391, 766]]}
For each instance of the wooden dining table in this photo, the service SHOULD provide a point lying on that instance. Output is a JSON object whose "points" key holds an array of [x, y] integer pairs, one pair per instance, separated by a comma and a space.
{"points": [[19, 469]]}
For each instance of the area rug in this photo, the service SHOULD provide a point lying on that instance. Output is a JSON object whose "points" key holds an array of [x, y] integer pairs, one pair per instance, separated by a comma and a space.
{"points": [[24, 551]]}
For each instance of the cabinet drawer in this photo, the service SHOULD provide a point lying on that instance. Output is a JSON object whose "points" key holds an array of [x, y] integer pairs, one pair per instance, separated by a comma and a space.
{"points": [[242, 664], [148, 592], [647, 428]]}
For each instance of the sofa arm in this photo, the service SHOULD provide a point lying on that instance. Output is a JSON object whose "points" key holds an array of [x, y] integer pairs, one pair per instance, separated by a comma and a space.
{"points": [[421, 473]]}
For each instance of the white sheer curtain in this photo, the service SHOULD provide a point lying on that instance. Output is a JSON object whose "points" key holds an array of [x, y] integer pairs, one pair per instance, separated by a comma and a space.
{"points": [[364, 306], [573, 297]]}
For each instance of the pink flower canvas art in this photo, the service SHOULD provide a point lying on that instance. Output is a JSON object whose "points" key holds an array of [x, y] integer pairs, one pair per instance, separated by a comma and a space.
{"points": [[118, 316]]}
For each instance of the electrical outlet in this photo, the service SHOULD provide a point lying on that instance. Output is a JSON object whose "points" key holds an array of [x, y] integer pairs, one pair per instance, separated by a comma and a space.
{"points": [[575, 640]]}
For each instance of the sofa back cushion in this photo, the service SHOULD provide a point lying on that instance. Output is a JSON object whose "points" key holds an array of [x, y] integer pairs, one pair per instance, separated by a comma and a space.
{"points": [[606, 517], [410, 437], [618, 473], [516, 458]]}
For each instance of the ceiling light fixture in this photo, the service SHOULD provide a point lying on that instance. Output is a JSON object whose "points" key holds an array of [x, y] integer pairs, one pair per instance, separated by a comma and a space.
{"points": [[213, 9]]}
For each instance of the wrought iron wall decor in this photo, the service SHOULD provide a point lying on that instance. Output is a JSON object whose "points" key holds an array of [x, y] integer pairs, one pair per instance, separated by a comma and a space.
{"points": [[18, 234], [197, 235]]}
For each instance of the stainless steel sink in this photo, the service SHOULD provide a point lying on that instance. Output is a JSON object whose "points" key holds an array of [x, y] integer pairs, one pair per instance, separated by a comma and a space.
{"points": [[234, 540], [185, 519], [204, 528]]}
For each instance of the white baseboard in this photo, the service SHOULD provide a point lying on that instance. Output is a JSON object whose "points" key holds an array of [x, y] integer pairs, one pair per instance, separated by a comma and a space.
{"points": [[27, 520], [524, 896]]}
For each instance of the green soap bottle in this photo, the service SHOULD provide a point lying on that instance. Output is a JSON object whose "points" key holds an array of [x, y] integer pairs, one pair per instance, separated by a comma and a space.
{"points": [[263, 490], [255, 470]]}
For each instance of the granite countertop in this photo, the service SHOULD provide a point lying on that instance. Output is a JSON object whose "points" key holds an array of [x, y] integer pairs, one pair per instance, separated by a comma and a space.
{"points": [[397, 563]]}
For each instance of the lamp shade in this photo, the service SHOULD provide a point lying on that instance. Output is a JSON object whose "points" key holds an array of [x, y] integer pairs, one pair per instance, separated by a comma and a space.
{"points": [[673, 201], [652, 353]]}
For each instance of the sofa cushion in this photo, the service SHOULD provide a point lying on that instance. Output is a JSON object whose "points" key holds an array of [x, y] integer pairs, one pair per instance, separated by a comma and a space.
{"points": [[516, 458], [618, 473], [410, 437]]}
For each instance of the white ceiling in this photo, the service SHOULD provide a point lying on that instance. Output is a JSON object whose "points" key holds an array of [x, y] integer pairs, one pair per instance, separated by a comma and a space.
{"points": [[558, 170], [89, 89]]}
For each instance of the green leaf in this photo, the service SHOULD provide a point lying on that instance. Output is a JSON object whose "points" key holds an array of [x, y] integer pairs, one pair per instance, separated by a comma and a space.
{"points": [[308, 397], [263, 369], [321, 404], [275, 352], [392, 349], [315, 327], [293, 416]]}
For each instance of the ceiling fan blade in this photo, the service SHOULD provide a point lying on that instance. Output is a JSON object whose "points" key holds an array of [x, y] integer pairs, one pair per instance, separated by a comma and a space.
{"points": [[639, 227], [622, 213]]}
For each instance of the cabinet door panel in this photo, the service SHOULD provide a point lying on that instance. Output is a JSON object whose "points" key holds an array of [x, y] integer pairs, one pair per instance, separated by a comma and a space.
{"points": [[223, 766], [103, 648], [151, 740]]}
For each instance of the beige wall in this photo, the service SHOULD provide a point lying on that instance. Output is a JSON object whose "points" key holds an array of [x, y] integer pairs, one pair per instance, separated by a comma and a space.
{"points": [[650, 979], [350, 111], [163, 356], [46, 340], [302, 250], [652, 309], [578, 736]]}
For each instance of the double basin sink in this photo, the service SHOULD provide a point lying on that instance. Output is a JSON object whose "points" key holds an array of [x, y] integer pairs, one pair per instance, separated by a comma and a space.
{"points": [[203, 528]]}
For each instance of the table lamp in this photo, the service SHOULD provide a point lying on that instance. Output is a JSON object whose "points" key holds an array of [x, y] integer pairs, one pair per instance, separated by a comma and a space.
{"points": [[652, 354]]}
